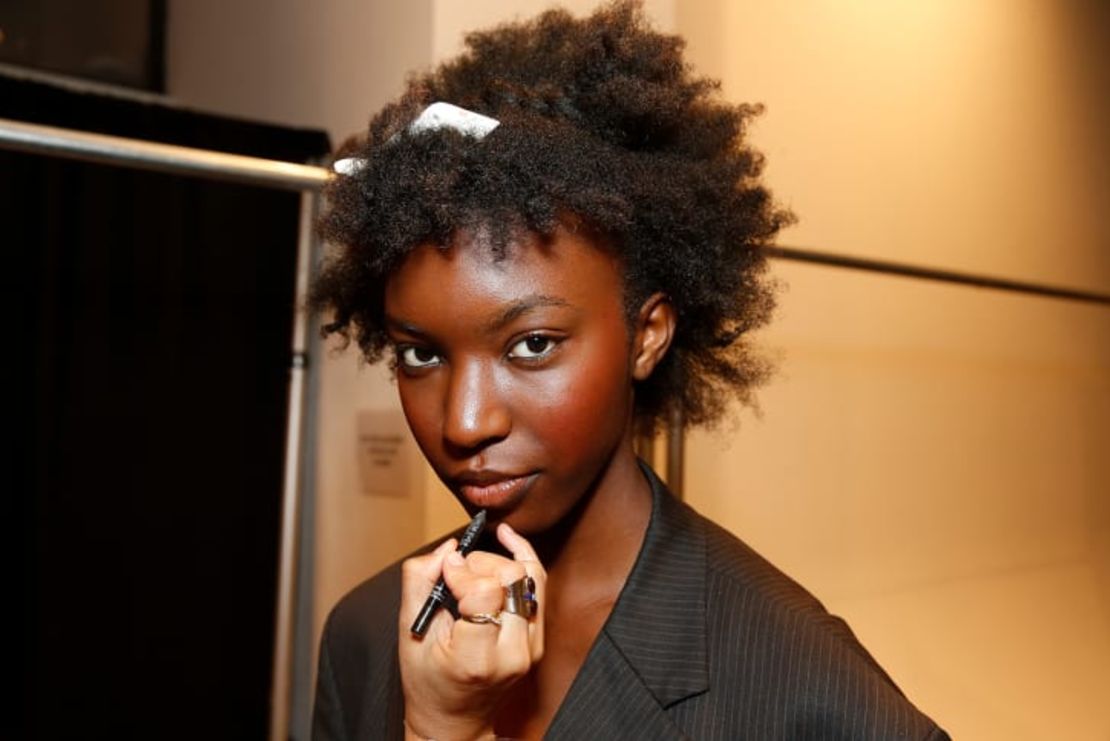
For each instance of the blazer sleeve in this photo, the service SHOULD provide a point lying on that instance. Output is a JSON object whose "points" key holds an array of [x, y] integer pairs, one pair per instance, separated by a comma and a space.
{"points": [[358, 687], [327, 714]]}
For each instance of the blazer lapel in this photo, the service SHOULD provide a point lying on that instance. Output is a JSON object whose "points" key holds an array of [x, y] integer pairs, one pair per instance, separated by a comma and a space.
{"points": [[651, 652]]}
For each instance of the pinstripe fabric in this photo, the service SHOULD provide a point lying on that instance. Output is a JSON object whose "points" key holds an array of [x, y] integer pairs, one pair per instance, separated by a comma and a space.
{"points": [[358, 687], [706, 641]]}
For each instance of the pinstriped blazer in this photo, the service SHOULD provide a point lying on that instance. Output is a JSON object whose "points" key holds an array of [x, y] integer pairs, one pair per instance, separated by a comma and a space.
{"points": [[707, 640]]}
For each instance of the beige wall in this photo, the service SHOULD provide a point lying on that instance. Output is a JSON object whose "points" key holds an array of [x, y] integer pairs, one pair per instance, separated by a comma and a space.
{"points": [[324, 65], [930, 458], [943, 132]]}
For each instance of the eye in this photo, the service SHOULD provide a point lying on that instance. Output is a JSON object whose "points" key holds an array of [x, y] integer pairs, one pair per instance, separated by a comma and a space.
{"points": [[533, 347], [412, 356]]}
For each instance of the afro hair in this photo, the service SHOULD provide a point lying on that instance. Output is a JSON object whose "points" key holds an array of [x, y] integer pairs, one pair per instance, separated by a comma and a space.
{"points": [[601, 120]]}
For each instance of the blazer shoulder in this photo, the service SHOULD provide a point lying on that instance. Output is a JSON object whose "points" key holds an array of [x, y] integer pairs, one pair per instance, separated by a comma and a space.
{"points": [[741, 573], [358, 691], [367, 608], [358, 647], [763, 621]]}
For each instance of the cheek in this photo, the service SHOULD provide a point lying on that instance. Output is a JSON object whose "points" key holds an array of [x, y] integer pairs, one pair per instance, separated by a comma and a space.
{"points": [[581, 405]]}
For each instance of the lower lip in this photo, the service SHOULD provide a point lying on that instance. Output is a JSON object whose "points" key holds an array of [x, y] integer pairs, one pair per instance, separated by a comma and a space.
{"points": [[501, 495]]}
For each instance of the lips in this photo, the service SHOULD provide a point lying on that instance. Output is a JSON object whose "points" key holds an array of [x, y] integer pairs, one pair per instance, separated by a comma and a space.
{"points": [[491, 489]]}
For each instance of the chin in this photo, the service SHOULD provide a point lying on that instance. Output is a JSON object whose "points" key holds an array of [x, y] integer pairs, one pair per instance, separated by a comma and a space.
{"points": [[527, 523]]}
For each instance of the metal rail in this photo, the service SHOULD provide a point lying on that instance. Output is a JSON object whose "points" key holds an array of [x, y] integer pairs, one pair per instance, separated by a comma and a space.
{"points": [[143, 155], [936, 274]]}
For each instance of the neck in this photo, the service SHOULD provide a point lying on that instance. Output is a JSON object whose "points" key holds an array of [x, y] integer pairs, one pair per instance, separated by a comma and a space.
{"points": [[594, 547]]}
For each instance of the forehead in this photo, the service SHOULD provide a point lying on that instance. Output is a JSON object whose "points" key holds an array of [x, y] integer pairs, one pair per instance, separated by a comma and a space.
{"points": [[467, 276]]}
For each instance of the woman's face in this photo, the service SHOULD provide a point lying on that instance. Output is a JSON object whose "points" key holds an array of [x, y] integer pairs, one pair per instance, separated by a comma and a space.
{"points": [[514, 374]]}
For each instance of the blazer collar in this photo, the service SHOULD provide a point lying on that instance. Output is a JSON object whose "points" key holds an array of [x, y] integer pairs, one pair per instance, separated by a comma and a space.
{"points": [[659, 620]]}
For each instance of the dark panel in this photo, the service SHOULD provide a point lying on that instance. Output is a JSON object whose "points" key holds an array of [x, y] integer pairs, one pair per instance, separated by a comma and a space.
{"points": [[148, 367], [121, 42]]}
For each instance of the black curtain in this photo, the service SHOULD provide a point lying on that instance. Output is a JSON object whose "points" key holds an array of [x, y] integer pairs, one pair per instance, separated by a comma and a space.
{"points": [[149, 356]]}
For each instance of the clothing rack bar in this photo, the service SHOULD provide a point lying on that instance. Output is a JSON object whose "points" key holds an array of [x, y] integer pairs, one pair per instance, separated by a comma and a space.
{"points": [[169, 158], [935, 274]]}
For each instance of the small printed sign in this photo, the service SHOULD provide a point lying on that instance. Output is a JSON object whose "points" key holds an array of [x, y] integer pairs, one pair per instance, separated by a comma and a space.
{"points": [[384, 453]]}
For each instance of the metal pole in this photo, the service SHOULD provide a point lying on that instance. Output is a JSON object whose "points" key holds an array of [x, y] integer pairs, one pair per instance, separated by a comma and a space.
{"points": [[291, 499], [886, 267], [114, 150]]}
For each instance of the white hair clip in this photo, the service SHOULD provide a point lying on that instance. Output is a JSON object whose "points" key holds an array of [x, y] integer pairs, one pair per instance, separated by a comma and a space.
{"points": [[437, 116], [446, 116], [349, 166]]}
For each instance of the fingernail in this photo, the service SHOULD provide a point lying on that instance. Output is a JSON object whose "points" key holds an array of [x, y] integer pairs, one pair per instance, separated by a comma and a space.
{"points": [[455, 558]]}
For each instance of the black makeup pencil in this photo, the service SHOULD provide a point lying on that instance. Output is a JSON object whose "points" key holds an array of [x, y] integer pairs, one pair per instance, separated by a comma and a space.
{"points": [[439, 592]]}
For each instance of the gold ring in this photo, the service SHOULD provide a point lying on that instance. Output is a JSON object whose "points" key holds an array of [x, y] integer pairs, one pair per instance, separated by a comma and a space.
{"points": [[483, 618]]}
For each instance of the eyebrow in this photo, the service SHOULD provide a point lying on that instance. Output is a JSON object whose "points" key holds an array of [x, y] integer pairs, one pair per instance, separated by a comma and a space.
{"points": [[504, 317], [519, 308], [404, 327]]}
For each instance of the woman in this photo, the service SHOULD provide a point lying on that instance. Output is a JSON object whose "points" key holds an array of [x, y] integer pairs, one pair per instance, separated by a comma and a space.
{"points": [[559, 238]]}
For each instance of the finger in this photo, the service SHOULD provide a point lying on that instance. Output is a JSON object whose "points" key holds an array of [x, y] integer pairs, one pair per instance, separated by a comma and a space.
{"points": [[515, 642], [473, 644], [526, 555], [520, 639], [516, 544], [432, 563], [418, 577], [490, 564], [475, 592]]}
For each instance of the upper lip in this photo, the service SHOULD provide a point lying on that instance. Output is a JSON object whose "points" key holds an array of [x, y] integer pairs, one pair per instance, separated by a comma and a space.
{"points": [[483, 477]]}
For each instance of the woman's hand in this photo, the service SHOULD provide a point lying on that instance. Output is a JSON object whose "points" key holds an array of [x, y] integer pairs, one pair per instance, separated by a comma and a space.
{"points": [[455, 677]]}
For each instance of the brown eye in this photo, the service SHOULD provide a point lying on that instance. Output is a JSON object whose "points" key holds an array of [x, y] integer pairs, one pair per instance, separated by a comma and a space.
{"points": [[417, 357], [532, 347]]}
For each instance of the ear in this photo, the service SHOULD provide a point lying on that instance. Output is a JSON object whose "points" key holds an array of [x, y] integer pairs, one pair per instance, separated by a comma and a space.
{"points": [[654, 330]]}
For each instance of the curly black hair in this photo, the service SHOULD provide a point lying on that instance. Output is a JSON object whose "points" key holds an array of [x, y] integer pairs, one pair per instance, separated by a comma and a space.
{"points": [[601, 120]]}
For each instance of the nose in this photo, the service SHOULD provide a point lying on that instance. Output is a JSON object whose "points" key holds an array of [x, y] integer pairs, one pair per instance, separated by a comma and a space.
{"points": [[475, 414]]}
